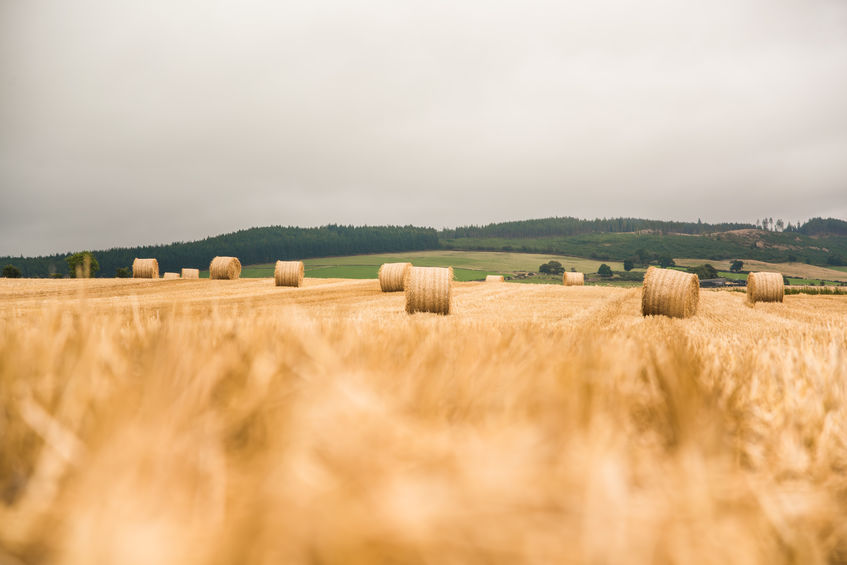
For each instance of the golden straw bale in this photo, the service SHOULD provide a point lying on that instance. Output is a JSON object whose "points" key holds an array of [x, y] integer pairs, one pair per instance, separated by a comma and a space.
{"points": [[145, 269], [495, 278], [765, 287], [670, 293], [391, 276], [191, 273], [288, 273], [429, 289], [225, 268], [170, 276], [573, 279]]}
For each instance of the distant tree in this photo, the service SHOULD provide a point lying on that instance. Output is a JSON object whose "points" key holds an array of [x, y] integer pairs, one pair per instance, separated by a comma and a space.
{"points": [[736, 266], [792, 258], [705, 271], [551, 268], [82, 264], [11, 272], [780, 225], [643, 256], [57, 276], [604, 270], [835, 260], [122, 272], [666, 261], [627, 265]]}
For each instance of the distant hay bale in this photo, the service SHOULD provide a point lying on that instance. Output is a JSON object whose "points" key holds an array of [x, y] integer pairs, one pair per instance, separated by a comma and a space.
{"points": [[573, 279], [170, 276], [765, 287], [669, 293], [392, 275], [288, 273], [225, 268], [495, 278], [428, 289], [145, 269], [191, 273]]}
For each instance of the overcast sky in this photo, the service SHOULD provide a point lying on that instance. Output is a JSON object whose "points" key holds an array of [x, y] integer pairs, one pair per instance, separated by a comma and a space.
{"points": [[127, 122]]}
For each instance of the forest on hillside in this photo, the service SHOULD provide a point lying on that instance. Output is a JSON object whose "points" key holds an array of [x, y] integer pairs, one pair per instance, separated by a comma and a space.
{"points": [[254, 245], [821, 241]]}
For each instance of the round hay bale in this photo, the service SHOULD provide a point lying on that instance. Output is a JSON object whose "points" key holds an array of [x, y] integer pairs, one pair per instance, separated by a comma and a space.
{"points": [[145, 269], [495, 278], [392, 275], [573, 279], [429, 289], [191, 273], [225, 268], [669, 293], [765, 287], [288, 273], [170, 276]]}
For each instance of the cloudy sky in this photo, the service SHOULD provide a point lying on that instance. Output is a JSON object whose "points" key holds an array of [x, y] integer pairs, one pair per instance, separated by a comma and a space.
{"points": [[125, 122]]}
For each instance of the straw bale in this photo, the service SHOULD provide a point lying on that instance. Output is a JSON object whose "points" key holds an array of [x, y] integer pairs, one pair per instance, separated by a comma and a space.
{"points": [[191, 273], [145, 269], [428, 289], [669, 293], [495, 278], [391, 276], [573, 279], [765, 287], [288, 273], [170, 276], [225, 268]]}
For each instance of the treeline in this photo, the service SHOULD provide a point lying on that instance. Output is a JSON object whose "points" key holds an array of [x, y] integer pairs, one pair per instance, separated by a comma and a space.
{"points": [[824, 226], [818, 241], [567, 226], [254, 245]]}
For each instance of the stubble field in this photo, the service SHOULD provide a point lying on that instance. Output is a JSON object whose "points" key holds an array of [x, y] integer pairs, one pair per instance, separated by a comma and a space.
{"points": [[237, 422]]}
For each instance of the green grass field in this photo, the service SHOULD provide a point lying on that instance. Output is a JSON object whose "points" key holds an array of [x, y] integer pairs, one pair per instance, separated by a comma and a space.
{"points": [[474, 266], [467, 265]]}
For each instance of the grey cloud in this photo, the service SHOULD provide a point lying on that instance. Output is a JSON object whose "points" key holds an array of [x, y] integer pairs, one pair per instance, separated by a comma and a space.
{"points": [[128, 122]]}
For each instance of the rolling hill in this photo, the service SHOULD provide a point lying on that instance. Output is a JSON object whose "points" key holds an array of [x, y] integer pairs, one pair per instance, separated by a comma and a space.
{"points": [[819, 242]]}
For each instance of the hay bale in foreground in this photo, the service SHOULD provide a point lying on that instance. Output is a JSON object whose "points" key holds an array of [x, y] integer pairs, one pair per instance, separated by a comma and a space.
{"points": [[495, 278], [429, 289], [288, 273], [225, 268], [392, 275], [669, 293], [573, 279], [170, 276], [145, 268], [765, 287], [191, 273]]}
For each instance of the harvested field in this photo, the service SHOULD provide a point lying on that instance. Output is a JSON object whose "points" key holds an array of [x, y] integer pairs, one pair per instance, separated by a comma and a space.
{"points": [[200, 421]]}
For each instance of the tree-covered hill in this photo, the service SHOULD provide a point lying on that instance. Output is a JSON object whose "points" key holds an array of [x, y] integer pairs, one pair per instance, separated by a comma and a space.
{"points": [[819, 242], [254, 245]]}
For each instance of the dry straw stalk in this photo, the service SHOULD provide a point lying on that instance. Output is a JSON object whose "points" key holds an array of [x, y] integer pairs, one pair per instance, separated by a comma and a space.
{"points": [[225, 268], [145, 269], [429, 289], [765, 287], [495, 278], [191, 273], [392, 275], [288, 273], [669, 293], [573, 279], [170, 276]]}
